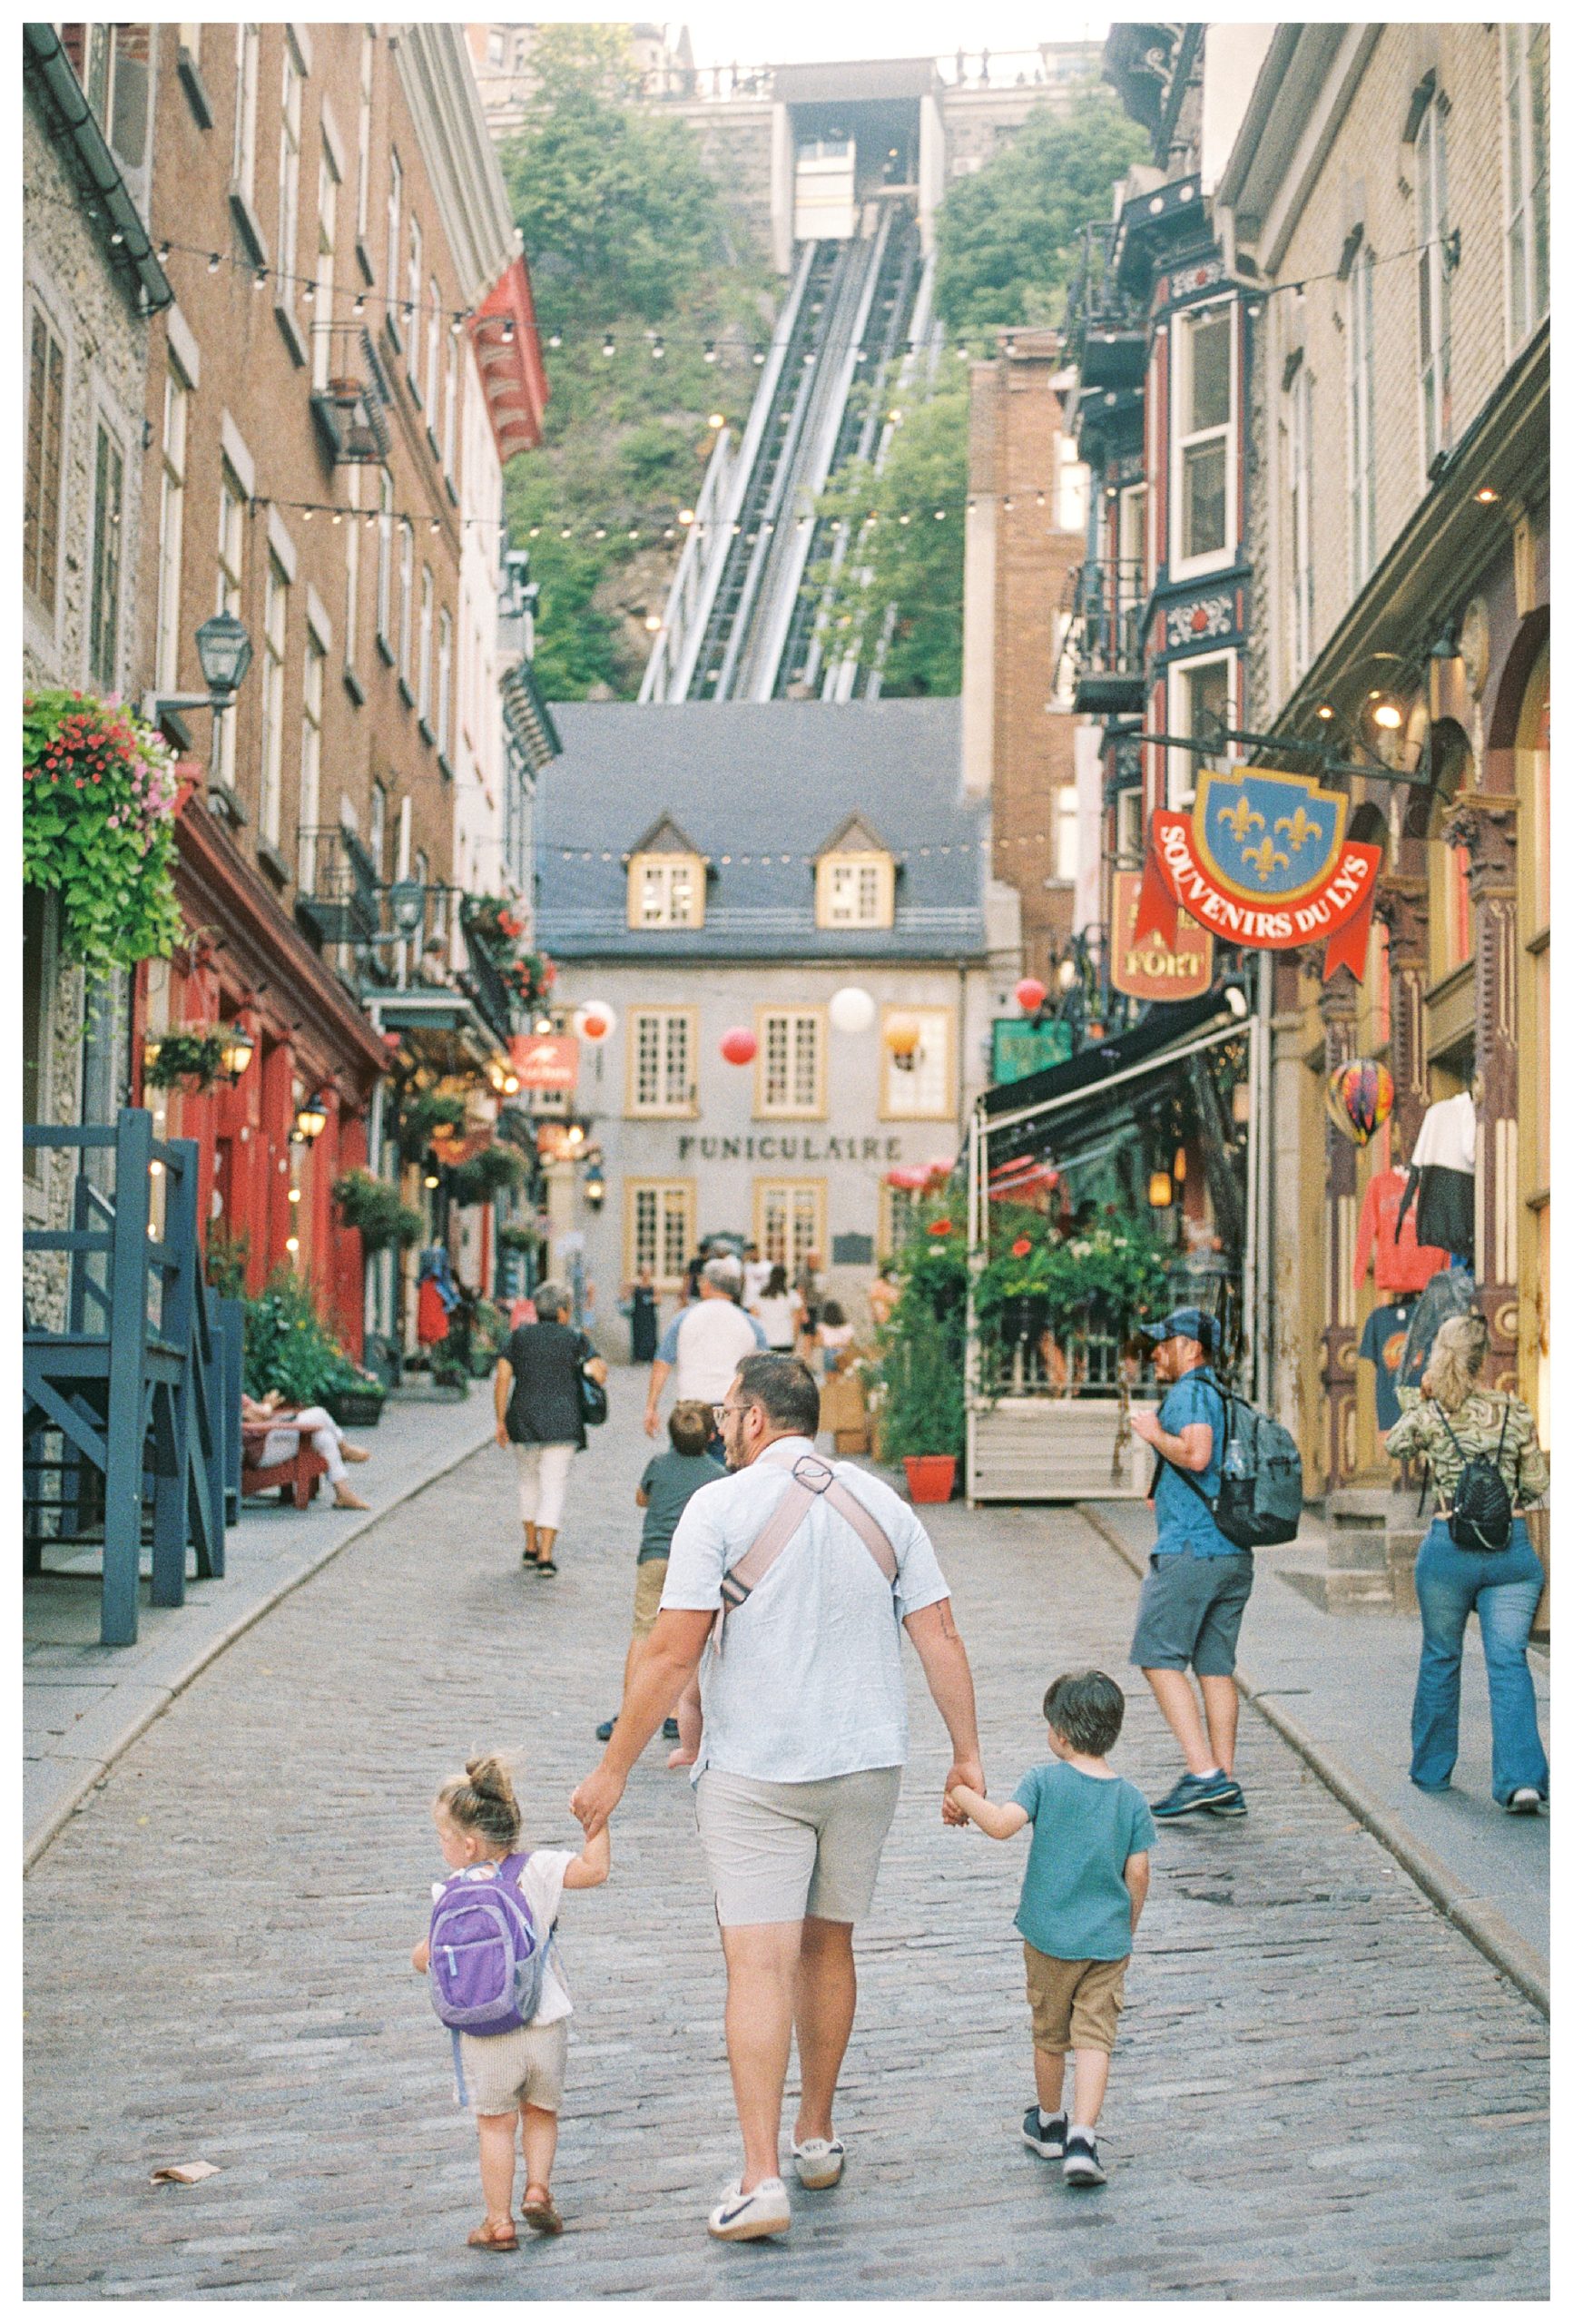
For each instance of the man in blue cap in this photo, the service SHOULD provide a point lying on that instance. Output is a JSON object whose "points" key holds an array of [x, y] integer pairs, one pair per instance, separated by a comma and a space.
{"points": [[1198, 1581]]}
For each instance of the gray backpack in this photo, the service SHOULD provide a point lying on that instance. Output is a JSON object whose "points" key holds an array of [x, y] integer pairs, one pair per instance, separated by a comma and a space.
{"points": [[1261, 1487]]}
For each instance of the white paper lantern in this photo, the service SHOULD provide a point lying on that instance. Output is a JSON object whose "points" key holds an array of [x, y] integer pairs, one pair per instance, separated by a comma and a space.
{"points": [[594, 1021], [851, 1009]]}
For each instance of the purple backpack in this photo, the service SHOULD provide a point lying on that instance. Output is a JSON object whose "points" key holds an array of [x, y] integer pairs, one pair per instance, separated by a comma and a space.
{"points": [[487, 1956]]}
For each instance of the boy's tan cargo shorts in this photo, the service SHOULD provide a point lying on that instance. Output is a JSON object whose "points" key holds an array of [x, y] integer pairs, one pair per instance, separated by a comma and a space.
{"points": [[1075, 2005]]}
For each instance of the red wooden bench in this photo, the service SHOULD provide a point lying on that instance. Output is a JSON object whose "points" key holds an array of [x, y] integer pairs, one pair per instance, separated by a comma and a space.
{"points": [[296, 1478]]}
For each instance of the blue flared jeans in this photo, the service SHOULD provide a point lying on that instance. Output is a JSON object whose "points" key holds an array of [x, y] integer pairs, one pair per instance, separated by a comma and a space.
{"points": [[1504, 1589]]}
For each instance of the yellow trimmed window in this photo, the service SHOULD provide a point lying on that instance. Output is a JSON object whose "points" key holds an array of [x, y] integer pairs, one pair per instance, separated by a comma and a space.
{"points": [[855, 890], [665, 891], [790, 1074]]}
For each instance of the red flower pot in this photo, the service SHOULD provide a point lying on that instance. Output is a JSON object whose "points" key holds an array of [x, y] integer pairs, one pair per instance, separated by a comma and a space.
{"points": [[930, 1476]]}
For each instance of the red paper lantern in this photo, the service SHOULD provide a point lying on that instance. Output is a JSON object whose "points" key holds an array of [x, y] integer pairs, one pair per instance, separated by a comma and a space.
{"points": [[738, 1046], [1030, 996]]}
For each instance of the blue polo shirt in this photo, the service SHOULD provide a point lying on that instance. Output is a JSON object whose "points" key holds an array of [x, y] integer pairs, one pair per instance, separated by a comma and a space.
{"points": [[1183, 1524]]}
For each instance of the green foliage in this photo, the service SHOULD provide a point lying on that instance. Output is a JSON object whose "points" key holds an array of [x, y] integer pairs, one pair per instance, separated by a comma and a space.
{"points": [[903, 554], [422, 1115], [289, 1350], [484, 1176], [517, 1235], [1115, 1273], [625, 233], [489, 1337], [372, 1209], [225, 1265], [195, 1055], [98, 827], [1009, 238], [923, 1345]]}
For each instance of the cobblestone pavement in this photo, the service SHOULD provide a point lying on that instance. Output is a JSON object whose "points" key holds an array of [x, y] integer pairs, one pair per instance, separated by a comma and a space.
{"points": [[1322, 2090]]}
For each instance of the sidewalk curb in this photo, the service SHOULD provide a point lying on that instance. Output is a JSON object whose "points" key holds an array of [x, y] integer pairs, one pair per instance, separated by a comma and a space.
{"points": [[1487, 1929], [60, 1815]]}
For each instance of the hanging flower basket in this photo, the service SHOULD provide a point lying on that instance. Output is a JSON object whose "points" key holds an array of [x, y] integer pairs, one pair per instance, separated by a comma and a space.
{"points": [[195, 1055], [530, 978], [99, 802], [498, 922]]}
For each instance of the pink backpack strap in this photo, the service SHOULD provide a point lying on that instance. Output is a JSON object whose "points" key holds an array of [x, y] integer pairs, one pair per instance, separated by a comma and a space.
{"points": [[811, 1477]]}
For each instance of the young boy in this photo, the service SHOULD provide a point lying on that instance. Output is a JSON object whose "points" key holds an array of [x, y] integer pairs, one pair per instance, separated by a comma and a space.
{"points": [[1081, 1897], [669, 1483]]}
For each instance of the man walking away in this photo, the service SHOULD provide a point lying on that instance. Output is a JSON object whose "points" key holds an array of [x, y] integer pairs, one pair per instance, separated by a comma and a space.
{"points": [[705, 1344], [800, 1765], [1198, 1581]]}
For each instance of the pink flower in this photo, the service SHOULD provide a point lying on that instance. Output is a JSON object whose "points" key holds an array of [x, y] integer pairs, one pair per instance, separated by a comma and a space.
{"points": [[1021, 1248]]}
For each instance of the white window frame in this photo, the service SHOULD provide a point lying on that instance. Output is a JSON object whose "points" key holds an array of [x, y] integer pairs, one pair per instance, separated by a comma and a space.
{"points": [[395, 232], [1361, 341], [662, 1064], [56, 371], [376, 834], [921, 1087], [1130, 827], [406, 596], [450, 410], [900, 1212], [423, 665], [1526, 183], [433, 352], [857, 890], [352, 572], [172, 528], [1067, 833], [289, 252], [802, 1204], [412, 301], [363, 133], [275, 644], [1183, 765], [1433, 317], [327, 237], [316, 663], [244, 153], [659, 1229], [783, 1090], [1299, 533], [1130, 588], [232, 557], [105, 628], [666, 892], [384, 561], [1186, 439], [444, 681]]}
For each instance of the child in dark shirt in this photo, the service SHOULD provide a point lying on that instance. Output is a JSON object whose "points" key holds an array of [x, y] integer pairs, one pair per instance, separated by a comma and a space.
{"points": [[670, 1482]]}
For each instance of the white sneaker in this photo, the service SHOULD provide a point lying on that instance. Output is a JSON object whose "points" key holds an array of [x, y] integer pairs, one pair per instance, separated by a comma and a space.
{"points": [[764, 2211], [818, 2161], [1525, 1801]]}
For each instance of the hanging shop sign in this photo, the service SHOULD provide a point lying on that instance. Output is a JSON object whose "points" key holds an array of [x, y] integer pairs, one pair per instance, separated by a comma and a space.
{"points": [[1147, 968], [545, 1060], [1020, 1047], [1261, 861]]}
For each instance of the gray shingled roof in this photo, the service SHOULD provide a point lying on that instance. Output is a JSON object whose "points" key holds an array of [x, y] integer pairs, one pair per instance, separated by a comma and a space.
{"points": [[760, 788]]}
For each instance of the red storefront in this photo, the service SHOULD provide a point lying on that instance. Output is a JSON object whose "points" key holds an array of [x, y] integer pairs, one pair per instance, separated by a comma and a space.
{"points": [[263, 1184]]}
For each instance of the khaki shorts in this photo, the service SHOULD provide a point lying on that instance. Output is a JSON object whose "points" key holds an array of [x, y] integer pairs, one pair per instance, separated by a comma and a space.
{"points": [[649, 1580], [1075, 2005], [779, 1851], [503, 2072]]}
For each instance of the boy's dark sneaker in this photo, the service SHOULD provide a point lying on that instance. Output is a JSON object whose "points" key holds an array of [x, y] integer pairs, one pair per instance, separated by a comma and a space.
{"points": [[1193, 1795], [603, 1732], [669, 1730], [1045, 2138], [1081, 2166]]}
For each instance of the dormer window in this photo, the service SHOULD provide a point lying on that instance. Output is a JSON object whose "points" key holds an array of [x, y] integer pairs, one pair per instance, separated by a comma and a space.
{"points": [[855, 880], [665, 881]]}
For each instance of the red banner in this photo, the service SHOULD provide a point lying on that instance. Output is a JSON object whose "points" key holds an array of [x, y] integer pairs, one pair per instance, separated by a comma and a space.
{"points": [[1148, 968], [1337, 907]]}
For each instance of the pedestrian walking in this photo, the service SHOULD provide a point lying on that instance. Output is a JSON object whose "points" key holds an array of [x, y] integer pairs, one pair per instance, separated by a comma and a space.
{"points": [[705, 1344], [1082, 1894], [1198, 1581], [1458, 1426], [540, 1413], [670, 1482], [644, 1317], [809, 1285], [512, 2071], [756, 1275], [800, 1763], [776, 1309]]}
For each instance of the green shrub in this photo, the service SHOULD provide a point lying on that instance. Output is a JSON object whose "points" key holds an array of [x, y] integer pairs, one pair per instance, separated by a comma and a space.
{"points": [[372, 1207], [289, 1350]]}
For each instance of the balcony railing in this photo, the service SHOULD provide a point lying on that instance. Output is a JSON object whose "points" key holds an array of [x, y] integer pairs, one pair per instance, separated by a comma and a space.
{"points": [[483, 981], [340, 899], [1106, 331], [351, 410], [1102, 654]]}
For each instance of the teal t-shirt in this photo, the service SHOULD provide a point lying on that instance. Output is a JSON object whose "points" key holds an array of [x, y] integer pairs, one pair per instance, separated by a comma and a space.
{"points": [[1075, 1904], [669, 1483]]}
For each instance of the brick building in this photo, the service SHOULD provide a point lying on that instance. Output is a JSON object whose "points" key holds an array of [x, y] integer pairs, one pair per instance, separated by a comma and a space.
{"points": [[1026, 538], [349, 356]]}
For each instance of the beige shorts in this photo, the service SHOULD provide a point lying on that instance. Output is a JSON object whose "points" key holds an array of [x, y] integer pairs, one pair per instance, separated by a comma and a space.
{"points": [[1075, 2005], [503, 2072], [779, 1851], [650, 1580]]}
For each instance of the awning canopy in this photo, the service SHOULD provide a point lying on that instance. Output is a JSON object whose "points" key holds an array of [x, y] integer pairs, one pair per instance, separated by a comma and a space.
{"points": [[1012, 1104]]}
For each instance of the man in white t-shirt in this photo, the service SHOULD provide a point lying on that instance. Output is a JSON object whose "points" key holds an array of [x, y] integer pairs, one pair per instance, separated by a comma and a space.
{"points": [[800, 1762], [756, 1274], [705, 1344]]}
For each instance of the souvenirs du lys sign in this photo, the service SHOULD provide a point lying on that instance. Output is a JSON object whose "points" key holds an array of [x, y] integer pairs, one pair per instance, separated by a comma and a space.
{"points": [[1261, 861]]}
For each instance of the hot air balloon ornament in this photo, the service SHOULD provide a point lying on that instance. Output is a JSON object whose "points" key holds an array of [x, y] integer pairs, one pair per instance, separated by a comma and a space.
{"points": [[1360, 1097]]}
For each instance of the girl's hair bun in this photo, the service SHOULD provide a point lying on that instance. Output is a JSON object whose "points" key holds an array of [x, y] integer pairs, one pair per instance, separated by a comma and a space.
{"points": [[483, 1800]]}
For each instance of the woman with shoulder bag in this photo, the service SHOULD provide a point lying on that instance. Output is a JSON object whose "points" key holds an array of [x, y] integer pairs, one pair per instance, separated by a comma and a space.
{"points": [[1486, 1465], [541, 1412]]}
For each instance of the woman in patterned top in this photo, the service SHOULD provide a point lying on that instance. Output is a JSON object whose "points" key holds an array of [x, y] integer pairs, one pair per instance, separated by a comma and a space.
{"points": [[1448, 1419]]}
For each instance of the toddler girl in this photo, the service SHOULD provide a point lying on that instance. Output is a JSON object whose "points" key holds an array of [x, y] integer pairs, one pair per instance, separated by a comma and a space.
{"points": [[515, 2076]]}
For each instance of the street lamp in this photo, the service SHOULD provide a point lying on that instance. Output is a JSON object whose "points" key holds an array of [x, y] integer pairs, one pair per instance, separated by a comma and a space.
{"points": [[407, 903], [240, 1047], [311, 1120], [224, 652]]}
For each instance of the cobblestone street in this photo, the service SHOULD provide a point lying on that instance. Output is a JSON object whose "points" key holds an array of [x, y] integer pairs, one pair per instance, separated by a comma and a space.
{"points": [[1322, 2089]]}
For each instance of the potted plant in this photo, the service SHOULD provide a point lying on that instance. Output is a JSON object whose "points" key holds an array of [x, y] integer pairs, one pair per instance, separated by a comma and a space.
{"points": [[99, 802], [486, 1174], [498, 922], [924, 1410], [193, 1054], [433, 1114], [372, 1209]]}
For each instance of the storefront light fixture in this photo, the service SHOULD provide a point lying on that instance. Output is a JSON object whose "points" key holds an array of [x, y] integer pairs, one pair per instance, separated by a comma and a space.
{"points": [[311, 1120], [1387, 715], [1324, 710], [1160, 1190], [291, 1243], [543, 1024], [223, 656], [510, 1085], [240, 1047], [1235, 1003], [1487, 495], [294, 1194], [407, 903], [431, 1179]]}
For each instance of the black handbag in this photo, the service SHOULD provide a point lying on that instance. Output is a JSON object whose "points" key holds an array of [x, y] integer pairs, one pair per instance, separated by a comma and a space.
{"points": [[1482, 1513], [593, 1402]]}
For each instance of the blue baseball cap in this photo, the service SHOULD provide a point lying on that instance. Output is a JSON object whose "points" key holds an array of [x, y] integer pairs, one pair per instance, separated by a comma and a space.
{"points": [[1184, 1323]]}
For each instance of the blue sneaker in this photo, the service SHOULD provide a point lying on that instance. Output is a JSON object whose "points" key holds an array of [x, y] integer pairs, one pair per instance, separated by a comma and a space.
{"points": [[1047, 2139], [1081, 2167], [1217, 1794]]}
